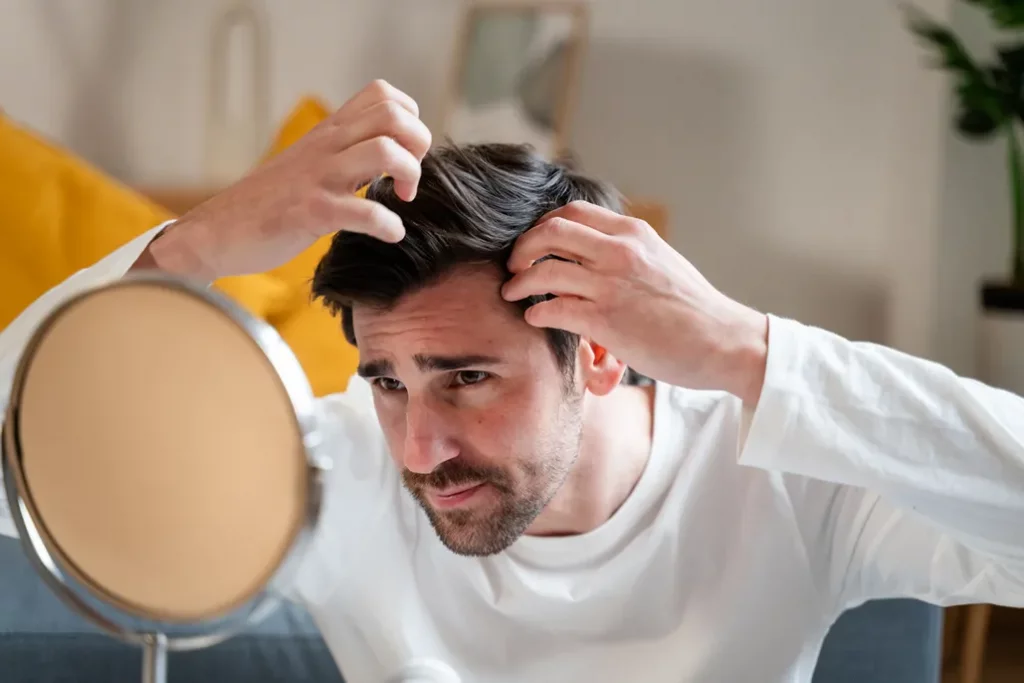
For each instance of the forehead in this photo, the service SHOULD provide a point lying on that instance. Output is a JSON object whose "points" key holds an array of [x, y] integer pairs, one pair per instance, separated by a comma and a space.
{"points": [[461, 313]]}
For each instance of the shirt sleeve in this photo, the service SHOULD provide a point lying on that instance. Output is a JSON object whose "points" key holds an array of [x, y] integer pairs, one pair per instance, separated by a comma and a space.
{"points": [[16, 335], [911, 478]]}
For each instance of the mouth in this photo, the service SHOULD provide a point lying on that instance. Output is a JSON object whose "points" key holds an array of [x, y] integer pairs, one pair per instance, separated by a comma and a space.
{"points": [[455, 496]]}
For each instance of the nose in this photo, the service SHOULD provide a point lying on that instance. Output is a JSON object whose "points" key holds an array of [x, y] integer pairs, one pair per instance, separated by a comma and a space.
{"points": [[428, 440]]}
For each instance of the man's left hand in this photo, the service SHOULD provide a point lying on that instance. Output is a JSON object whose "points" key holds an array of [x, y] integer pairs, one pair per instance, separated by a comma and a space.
{"points": [[629, 291]]}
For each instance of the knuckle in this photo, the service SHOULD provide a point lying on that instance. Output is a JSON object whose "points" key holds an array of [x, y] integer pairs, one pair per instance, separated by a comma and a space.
{"points": [[574, 209], [584, 206], [627, 257], [385, 149], [393, 114], [636, 227], [319, 206], [374, 213], [379, 86], [558, 227]]}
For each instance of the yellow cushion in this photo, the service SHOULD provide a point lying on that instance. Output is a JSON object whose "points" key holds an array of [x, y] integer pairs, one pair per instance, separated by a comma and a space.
{"points": [[58, 214]]}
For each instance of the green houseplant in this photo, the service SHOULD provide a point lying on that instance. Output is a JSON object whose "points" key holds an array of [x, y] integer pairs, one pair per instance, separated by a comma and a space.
{"points": [[989, 96], [989, 104]]}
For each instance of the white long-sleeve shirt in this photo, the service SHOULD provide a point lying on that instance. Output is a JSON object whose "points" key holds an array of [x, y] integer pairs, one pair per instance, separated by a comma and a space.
{"points": [[862, 473]]}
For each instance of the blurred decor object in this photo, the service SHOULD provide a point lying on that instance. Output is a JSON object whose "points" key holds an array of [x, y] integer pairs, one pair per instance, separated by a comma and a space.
{"points": [[990, 104], [651, 212], [516, 74], [238, 106]]}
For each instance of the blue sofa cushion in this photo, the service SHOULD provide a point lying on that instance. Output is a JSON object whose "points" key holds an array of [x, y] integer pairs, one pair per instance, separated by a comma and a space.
{"points": [[95, 658], [42, 640], [884, 641]]}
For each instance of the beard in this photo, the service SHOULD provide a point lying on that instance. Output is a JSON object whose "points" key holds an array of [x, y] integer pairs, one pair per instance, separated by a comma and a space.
{"points": [[522, 490]]}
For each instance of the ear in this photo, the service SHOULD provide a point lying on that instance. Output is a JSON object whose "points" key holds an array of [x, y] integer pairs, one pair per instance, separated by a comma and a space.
{"points": [[599, 369]]}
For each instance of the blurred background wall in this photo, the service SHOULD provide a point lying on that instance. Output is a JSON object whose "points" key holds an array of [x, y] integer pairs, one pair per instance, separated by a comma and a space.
{"points": [[801, 146]]}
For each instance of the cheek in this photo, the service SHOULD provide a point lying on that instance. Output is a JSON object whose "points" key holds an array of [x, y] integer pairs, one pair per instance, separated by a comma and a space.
{"points": [[511, 427], [491, 431], [391, 416]]}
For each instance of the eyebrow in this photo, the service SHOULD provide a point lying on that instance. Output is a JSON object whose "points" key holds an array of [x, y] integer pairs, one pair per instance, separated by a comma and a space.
{"points": [[381, 368]]}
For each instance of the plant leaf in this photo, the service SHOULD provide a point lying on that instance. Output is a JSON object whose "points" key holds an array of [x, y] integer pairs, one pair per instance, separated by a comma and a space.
{"points": [[983, 103], [1006, 14], [952, 54], [976, 124], [1012, 57], [1009, 77]]}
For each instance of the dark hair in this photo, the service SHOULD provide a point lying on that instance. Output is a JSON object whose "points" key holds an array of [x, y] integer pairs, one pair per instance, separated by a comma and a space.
{"points": [[472, 203]]}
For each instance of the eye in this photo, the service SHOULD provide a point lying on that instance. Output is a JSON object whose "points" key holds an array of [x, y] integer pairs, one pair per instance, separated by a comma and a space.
{"points": [[465, 378], [388, 384]]}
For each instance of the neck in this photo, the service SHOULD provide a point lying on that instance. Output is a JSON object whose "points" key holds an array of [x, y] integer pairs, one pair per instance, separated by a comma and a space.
{"points": [[614, 449]]}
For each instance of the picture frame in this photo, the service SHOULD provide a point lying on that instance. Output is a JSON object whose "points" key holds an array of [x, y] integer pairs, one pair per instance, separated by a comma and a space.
{"points": [[515, 75]]}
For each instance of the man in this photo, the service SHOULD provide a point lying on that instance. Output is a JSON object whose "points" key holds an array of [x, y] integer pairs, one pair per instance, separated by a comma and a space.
{"points": [[502, 501]]}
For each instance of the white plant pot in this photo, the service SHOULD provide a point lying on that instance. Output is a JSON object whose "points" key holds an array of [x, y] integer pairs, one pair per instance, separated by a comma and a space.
{"points": [[1001, 337]]}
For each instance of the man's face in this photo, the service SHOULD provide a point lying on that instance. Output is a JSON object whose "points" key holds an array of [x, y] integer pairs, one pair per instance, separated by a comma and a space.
{"points": [[479, 418]]}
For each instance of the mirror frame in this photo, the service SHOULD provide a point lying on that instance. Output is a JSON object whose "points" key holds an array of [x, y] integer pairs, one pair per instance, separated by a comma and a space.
{"points": [[49, 562]]}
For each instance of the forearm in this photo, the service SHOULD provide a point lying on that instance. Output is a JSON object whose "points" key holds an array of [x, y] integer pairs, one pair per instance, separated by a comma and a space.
{"points": [[913, 432]]}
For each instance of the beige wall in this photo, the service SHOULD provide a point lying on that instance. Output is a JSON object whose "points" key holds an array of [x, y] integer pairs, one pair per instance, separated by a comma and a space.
{"points": [[798, 151]]}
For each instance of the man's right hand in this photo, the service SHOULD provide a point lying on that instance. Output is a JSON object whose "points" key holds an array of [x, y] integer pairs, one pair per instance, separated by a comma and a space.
{"points": [[281, 208]]}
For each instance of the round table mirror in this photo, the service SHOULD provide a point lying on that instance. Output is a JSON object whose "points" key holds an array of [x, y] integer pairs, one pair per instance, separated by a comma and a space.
{"points": [[160, 458]]}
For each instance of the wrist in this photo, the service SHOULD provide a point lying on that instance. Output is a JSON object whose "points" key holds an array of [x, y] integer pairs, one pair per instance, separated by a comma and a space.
{"points": [[746, 359], [177, 251]]}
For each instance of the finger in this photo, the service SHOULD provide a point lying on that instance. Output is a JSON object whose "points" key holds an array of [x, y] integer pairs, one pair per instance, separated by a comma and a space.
{"points": [[597, 217], [552, 277], [333, 212], [376, 92], [561, 237], [372, 158], [389, 119], [564, 313]]}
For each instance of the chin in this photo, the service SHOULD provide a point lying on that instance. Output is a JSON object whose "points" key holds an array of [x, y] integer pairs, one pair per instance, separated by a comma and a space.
{"points": [[472, 536], [473, 546], [469, 537]]}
